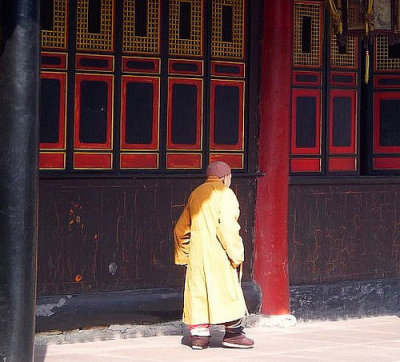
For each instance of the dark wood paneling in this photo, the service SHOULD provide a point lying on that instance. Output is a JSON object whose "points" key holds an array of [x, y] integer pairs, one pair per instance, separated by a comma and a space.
{"points": [[115, 234], [46, 14], [50, 110], [227, 115], [93, 111], [342, 125], [139, 113], [342, 121], [185, 12], [94, 16], [306, 35], [141, 18], [93, 116], [184, 113], [343, 232], [227, 23], [226, 131], [389, 130], [305, 122]]}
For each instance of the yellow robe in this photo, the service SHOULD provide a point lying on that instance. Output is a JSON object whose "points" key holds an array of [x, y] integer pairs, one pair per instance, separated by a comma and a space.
{"points": [[207, 240]]}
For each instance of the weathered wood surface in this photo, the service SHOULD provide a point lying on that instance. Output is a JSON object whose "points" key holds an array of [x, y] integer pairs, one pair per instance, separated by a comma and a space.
{"points": [[343, 232], [116, 234]]}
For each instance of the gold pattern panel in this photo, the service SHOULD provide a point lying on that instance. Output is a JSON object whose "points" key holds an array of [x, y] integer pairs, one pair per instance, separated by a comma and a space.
{"points": [[193, 46], [102, 41], [345, 60], [234, 48], [56, 38], [133, 43], [383, 61], [307, 11]]}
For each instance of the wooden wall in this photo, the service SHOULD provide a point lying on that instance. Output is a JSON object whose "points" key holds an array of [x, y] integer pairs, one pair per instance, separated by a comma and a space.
{"points": [[341, 231], [116, 234]]}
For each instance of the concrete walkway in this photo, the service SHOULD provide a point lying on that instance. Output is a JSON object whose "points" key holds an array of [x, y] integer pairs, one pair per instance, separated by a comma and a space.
{"points": [[367, 339]]}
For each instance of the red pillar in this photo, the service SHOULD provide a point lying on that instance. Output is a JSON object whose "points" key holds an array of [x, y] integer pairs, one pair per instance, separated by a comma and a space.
{"points": [[271, 259]]}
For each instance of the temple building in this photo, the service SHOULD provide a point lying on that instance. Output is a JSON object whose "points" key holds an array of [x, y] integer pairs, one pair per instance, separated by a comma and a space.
{"points": [[300, 98]]}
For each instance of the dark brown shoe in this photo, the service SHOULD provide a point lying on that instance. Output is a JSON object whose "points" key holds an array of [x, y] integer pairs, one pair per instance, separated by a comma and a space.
{"points": [[200, 342], [237, 340]]}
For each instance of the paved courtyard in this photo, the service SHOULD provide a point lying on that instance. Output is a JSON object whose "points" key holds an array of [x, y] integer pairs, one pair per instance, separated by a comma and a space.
{"points": [[366, 339]]}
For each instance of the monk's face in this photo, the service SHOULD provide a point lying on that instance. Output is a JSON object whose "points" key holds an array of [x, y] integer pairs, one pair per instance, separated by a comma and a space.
{"points": [[227, 180]]}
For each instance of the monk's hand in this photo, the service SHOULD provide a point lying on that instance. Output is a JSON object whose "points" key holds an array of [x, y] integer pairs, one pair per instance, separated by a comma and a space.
{"points": [[234, 265]]}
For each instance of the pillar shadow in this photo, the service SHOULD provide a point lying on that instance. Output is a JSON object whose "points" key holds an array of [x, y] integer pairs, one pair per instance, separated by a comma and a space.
{"points": [[39, 353]]}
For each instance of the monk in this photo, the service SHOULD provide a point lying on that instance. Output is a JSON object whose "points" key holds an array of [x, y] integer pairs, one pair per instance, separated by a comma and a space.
{"points": [[207, 241]]}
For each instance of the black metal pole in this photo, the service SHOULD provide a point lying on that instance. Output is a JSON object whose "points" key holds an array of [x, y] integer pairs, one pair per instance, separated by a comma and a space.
{"points": [[19, 99]]}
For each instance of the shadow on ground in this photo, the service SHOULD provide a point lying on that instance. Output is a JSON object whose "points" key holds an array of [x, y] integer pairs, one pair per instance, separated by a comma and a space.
{"points": [[39, 353]]}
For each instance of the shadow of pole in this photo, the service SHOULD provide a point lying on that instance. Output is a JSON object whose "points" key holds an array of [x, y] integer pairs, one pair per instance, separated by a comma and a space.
{"points": [[39, 353]]}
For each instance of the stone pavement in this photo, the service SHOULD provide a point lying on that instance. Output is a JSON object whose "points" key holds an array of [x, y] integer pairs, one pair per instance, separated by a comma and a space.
{"points": [[367, 339]]}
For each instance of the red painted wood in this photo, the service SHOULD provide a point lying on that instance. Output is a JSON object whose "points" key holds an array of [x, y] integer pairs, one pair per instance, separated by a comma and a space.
{"points": [[184, 160], [380, 79], [108, 58], [386, 163], [52, 160], [197, 63], [139, 160], [61, 56], [342, 164], [234, 160], [240, 67], [127, 69], [270, 253], [94, 161], [305, 165], [299, 73], [353, 76]]}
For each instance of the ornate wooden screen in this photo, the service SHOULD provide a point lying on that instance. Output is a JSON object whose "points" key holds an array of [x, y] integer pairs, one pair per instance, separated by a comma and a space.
{"points": [[385, 110], [343, 112], [142, 85], [306, 128], [325, 97]]}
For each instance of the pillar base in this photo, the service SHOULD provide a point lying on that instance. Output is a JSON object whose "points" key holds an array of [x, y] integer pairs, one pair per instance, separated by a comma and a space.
{"points": [[282, 320]]}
